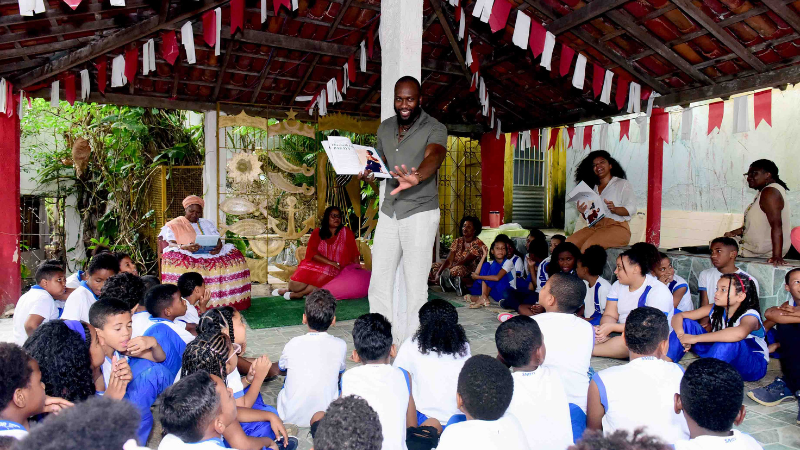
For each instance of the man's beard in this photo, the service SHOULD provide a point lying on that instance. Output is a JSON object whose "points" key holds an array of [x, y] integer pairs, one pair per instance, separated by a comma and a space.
{"points": [[413, 117]]}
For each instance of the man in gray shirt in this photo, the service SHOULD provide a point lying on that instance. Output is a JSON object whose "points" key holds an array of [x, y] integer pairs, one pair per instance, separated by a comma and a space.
{"points": [[413, 145]]}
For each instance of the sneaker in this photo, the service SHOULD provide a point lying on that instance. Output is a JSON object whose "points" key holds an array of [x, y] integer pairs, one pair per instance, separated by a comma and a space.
{"points": [[772, 394], [455, 282], [502, 317], [444, 280]]}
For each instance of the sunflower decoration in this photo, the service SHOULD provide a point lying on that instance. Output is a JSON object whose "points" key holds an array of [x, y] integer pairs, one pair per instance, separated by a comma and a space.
{"points": [[244, 167]]}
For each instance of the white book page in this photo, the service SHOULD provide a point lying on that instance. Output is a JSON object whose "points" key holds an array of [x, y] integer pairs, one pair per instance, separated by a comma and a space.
{"points": [[342, 155]]}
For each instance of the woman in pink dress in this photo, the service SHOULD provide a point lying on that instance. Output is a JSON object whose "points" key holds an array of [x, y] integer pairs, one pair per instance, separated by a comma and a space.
{"points": [[332, 247]]}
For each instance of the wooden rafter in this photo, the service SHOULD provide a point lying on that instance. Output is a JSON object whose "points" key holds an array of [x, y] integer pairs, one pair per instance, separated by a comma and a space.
{"points": [[58, 13], [448, 31], [221, 73], [262, 77], [784, 12], [582, 15]]}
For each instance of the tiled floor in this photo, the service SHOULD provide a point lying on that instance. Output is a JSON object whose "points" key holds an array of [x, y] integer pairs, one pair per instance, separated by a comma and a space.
{"points": [[774, 427]]}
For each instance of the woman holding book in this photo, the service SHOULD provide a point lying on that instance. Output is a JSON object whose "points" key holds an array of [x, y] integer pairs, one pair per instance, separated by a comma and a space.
{"points": [[223, 267], [606, 177]]}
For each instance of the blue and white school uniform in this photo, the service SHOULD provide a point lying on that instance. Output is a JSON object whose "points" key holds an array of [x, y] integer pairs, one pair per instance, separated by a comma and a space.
{"points": [[750, 356], [140, 322], [519, 273], [651, 293], [78, 303], [541, 274], [164, 331], [12, 429], [498, 289], [172, 442], [252, 429], [595, 301], [708, 279], [36, 301], [686, 301], [191, 315], [737, 441]]}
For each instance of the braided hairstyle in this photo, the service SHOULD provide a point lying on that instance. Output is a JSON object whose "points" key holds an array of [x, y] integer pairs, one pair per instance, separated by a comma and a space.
{"points": [[207, 352], [64, 360], [739, 283], [217, 320]]}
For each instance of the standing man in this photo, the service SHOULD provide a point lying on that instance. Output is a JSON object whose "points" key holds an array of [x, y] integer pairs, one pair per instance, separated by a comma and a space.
{"points": [[414, 145]]}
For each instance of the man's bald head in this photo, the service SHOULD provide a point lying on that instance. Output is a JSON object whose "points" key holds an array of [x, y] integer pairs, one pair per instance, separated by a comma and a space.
{"points": [[407, 100], [408, 80]]}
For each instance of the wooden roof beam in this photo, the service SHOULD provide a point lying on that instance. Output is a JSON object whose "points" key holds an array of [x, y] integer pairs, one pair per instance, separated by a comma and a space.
{"points": [[582, 15], [221, 73], [59, 13], [448, 31], [784, 12]]}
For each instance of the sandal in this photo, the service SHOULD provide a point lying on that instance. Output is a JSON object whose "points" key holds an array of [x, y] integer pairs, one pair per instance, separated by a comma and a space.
{"points": [[482, 302]]}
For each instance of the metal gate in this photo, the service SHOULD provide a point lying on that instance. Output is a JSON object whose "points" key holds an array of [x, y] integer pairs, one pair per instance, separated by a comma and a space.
{"points": [[530, 192], [459, 187]]}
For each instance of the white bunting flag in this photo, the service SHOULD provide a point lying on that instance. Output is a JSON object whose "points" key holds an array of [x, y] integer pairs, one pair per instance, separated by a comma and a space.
{"points": [[345, 78], [323, 103], [21, 110], [634, 98], [363, 56], [149, 57], [483, 9], [486, 106], [3, 93], [295, 5], [330, 87], [85, 85], [218, 31], [522, 30], [740, 113], [263, 11], [525, 139], [491, 119], [579, 76], [118, 71], [650, 100], [53, 94], [603, 136], [453, 2], [304, 98], [481, 91], [686, 124], [605, 96], [117, 2], [547, 54], [499, 130], [30, 7], [641, 125], [187, 39], [462, 25], [468, 55]]}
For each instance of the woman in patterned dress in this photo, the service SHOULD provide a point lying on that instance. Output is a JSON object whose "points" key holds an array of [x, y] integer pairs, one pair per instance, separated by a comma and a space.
{"points": [[464, 255]]}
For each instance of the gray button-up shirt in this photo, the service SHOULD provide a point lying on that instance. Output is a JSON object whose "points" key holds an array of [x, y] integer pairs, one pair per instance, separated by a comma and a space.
{"points": [[410, 151]]}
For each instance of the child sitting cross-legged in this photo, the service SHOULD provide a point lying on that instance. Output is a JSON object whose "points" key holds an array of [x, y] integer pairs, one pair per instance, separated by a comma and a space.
{"points": [[313, 363], [539, 400], [724, 251], [681, 297], [590, 269], [641, 392], [22, 392], [485, 388], [194, 292], [737, 333], [710, 398], [349, 423], [527, 292], [542, 275], [164, 303], [195, 412], [38, 305], [101, 268], [491, 279]]}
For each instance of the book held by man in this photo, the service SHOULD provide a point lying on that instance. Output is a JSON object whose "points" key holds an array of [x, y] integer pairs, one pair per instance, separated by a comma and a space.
{"points": [[351, 159], [595, 206]]}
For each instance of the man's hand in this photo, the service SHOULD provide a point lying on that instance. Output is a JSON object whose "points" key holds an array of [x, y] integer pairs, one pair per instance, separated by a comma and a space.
{"points": [[406, 178], [139, 345], [56, 404]]}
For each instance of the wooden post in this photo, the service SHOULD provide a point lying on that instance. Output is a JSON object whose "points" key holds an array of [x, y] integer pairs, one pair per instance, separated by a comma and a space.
{"points": [[10, 226]]}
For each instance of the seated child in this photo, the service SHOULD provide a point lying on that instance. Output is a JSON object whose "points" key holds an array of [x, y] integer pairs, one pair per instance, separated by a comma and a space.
{"points": [[590, 269], [22, 392], [620, 440], [787, 318], [711, 394], [534, 234], [194, 292], [216, 355], [434, 356], [564, 259], [737, 333], [569, 340], [641, 392], [312, 363], [97, 424], [527, 291], [126, 264], [37, 305], [485, 388], [70, 358], [164, 303], [542, 274], [635, 287], [539, 400], [681, 297], [196, 410], [101, 267], [349, 424], [126, 287], [112, 320], [387, 389], [150, 281], [724, 251], [492, 279]]}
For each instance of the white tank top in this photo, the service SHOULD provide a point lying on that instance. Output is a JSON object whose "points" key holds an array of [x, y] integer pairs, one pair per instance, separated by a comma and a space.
{"points": [[757, 235]]}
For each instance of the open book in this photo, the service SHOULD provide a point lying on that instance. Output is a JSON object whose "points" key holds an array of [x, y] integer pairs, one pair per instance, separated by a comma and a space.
{"points": [[595, 206], [351, 159], [207, 242]]}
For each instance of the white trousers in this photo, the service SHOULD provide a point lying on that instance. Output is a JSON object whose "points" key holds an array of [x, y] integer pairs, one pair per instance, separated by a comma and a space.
{"points": [[407, 245]]}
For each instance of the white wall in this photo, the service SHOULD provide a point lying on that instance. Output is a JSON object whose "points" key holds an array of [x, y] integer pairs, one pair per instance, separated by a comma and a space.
{"points": [[704, 173]]}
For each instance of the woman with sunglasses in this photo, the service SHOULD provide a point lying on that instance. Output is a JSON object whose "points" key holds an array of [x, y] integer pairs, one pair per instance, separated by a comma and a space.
{"points": [[332, 247]]}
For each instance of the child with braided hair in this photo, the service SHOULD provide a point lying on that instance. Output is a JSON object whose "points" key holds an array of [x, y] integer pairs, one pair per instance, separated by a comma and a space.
{"points": [[215, 354], [737, 331]]}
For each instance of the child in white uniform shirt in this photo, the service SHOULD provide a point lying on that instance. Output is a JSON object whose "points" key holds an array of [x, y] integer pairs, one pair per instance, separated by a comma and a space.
{"points": [[681, 297], [101, 267], [724, 251], [387, 389], [711, 397], [641, 392], [126, 287], [312, 363], [37, 306], [539, 400], [434, 357], [485, 389], [193, 290], [590, 269], [569, 340], [349, 423]]}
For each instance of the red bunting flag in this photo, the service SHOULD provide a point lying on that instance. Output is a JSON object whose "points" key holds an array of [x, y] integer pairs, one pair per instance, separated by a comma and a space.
{"points": [[210, 28], [277, 4], [762, 107], [715, 112], [169, 47], [587, 136], [458, 13], [102, 65], [474, 85], [598, 75], [73, 3], [514, 139], [370, 40], [553, 138], [566, 59], [131, 63], [500, 12], [237, 14], [351, 68], [69, 87], [536, 38], [571, 133], [659, 124], [622, 91], [646, 92], [625, 129], [535, 138]]}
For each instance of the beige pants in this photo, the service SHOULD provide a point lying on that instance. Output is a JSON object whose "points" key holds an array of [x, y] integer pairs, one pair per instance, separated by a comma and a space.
{"points": [[606, 233]]}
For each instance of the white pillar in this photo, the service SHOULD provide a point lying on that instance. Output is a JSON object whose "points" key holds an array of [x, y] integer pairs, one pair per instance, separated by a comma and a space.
{"points": [[401, 47], [213, 166]]}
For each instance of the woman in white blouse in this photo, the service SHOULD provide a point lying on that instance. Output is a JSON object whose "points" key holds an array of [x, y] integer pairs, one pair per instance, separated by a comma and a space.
{"points": [[606, 176]]}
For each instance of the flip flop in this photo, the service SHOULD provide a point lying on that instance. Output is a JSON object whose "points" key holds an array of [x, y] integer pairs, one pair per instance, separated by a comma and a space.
{"points": [[502, 317], [276, 293], [287, 296]]}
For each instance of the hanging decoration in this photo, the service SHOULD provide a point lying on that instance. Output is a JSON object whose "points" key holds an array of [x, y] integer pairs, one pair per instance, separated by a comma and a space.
{"points": [[21, 110], [3, 95], [281, 182], [571, 134], [634, 98], [501, 9], [363, 57], [625, 129], [525, 139], [209, 27], [522, 30], [603, 137], [651, 97], [69, 88], [598, 73], [53, 95], [514, 139], [553, 138], [579, 76], [371, 40], [622, 91], [660, 125], [566, 60], [762, 107], [605, 95], [537, 37], [101, 66], [131, 62], [187, 39], [244, 167], [264, 11], [499, 130], [280, 162], [238, 206], [587, 137], [169, 47], [149, 57], [73, 3], [237, 15], [741, 107], [547, 53], [30, 7], [686, 124], [118, 71], [483, 9], [715, 112]]}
